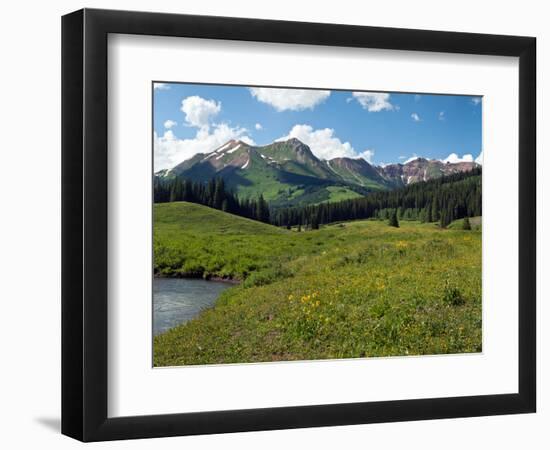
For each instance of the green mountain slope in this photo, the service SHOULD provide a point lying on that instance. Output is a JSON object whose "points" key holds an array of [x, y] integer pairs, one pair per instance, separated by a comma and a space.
{"points": [[358, 171], [287, 173]]}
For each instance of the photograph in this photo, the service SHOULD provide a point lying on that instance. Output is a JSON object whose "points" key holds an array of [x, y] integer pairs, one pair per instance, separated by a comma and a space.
{"points": [[308, 224]]}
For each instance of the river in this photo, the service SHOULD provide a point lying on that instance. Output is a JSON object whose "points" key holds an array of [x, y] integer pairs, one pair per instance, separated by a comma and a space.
{"points": [[178, 300]]}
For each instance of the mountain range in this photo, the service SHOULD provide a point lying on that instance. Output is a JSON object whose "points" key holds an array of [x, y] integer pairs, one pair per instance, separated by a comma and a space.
{"points": [[288, 173]]}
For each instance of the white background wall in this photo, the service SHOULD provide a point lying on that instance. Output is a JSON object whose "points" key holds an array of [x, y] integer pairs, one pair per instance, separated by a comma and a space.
{"points": [[30, 222]]}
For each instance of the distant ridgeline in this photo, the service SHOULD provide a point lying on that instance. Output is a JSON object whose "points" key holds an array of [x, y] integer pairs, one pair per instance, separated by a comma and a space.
{"points": [[440, 200]]}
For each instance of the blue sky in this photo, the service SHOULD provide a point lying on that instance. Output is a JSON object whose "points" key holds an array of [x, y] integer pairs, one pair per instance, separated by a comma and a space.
{"points": [[380, 127]]}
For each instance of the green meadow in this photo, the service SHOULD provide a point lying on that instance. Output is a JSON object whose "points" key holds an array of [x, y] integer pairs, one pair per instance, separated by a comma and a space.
{"points": [[348, 290]]}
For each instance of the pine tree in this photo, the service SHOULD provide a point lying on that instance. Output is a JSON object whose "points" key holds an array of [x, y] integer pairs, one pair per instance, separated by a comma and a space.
{"points": [[173, 193], [219, 193], [429, 213], [422, 215], [446, 218], [435, 210], [209, 199], [314, 222], [393, 222], [262, 210]]}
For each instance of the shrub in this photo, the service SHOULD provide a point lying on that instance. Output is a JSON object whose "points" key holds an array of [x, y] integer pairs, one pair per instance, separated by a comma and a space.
{"points": [[393, 222], [267, 276], [452, 295], [191, 269]]}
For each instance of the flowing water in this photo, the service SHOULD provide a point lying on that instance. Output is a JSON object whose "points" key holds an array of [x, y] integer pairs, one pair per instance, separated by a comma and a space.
{"points": [[178, 300]]}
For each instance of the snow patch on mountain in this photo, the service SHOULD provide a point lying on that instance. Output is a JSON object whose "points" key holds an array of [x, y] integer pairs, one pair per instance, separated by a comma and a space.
{"points": [[223, 147], [234, 149], [208, 156]]}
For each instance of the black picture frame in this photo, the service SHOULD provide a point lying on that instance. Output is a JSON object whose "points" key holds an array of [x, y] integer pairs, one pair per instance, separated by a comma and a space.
{"points": [[84, 224]]}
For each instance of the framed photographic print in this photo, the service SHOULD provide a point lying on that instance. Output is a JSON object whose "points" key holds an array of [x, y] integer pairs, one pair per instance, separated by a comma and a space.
{"points": [[273, 224]]}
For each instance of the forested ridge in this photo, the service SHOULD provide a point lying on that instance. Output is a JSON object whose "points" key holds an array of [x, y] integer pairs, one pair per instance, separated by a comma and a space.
{"points": [[440, 200]]}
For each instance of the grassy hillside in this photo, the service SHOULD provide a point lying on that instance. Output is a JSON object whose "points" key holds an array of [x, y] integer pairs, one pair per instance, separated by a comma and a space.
{"points": [[353, 289], [194, 240]]}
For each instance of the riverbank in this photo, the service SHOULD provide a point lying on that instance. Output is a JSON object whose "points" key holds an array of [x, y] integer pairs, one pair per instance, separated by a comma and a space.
{"points": [[179, 275]]}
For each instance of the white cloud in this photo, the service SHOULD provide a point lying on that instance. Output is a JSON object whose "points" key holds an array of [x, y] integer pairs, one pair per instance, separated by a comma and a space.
{"points": [[415, 117], [198, 111], [374, 101], [479, 159], [160, 86], [441, 115], [402, 157], [258, 126], [412, 158], [476, 100], [454, 158], [322, 142], [290, 99], [367, 155], [170, 151]]}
